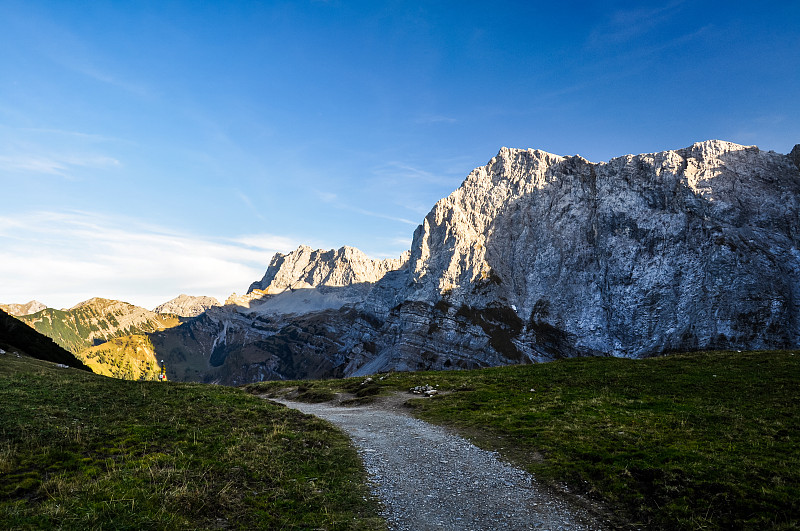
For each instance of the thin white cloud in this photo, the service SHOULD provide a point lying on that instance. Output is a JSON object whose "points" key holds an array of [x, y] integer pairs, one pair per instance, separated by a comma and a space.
{"points": [[52, 152], [383, 216], [247, 201], [91, 137], [624, 25], [333, 200], [434, 119], [395, 172], [62, 258], [269, 242], [53, 164], [96, 73], [31, 164], [325, 197]]}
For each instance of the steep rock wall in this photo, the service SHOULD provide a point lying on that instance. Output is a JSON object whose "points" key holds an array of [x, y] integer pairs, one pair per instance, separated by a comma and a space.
{"points": [[644, 254]]}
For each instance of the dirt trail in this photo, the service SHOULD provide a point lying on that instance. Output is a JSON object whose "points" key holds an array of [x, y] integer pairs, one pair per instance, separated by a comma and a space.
{"points": [[428, 478]]}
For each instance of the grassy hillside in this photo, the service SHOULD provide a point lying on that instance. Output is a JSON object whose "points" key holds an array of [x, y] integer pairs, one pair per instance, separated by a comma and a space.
{"points": [[81, 451], [89, 331], [16, 336], [96, 321], [692, 441], [127, 357]]}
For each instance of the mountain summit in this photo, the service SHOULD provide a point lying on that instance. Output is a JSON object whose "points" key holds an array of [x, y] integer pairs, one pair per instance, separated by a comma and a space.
{"points": [[685, 249], [187, 305], [27, 308], [308, 268]]}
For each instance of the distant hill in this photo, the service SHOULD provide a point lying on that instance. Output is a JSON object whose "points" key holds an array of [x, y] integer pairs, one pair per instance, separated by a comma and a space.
{"points": [[23, 309], [16, 335], [95, 321], [88, 328], [187, 305], [127, 357]]}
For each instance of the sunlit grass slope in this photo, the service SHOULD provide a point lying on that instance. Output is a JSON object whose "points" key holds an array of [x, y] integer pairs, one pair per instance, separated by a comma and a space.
{"points": [[81, 451], [128, 357], [692, 441]]}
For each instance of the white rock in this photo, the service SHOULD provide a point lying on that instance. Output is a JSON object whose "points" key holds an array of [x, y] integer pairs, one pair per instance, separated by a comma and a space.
{"points": [[28, 308], [187, 305]]}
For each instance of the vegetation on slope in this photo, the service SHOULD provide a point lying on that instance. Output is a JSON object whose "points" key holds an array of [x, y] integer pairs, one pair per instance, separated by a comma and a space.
{"points": [[17, 336], [88, 330], [81, 451], [128, 357], [95, 321], [703, 440]]}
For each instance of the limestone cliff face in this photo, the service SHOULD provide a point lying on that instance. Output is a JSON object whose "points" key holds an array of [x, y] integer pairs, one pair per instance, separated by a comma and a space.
{"points": [[692, 248], [308, 280], [534, 257]]}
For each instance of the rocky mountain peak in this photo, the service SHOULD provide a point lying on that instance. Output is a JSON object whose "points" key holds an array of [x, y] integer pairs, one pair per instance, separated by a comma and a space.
{"points": [[27, 308], [309, 268], [187, 305], [98, 302], [619, 253]]}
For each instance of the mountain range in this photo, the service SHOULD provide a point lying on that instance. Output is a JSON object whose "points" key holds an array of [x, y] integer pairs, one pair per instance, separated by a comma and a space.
{"points": [[534, 257]]}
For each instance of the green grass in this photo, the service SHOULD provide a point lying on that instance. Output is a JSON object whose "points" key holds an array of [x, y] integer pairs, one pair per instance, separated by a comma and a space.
{"points": [[690, 441], [81, 451]]}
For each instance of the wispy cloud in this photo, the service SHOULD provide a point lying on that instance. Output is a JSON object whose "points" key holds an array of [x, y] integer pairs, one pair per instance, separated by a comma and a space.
{"points": [[326, 197], [627, 24], [268, 242], [53, 151], [90, 137], [249, 203], [53, 164], [105, 76], [396, 172], [65, 48], [626, 61], [63, 258], [382, 216], [435, 119], [335, 201]]}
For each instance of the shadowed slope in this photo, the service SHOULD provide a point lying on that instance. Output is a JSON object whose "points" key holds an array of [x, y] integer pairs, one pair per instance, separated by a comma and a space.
{"points": [[14, 334]]}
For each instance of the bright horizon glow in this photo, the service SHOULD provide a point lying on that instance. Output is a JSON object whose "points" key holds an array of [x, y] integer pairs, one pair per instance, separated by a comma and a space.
{"points": [[148, 150]]}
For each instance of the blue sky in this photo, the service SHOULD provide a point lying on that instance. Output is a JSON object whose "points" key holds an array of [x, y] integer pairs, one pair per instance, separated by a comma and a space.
{"points": [[153, 148]]}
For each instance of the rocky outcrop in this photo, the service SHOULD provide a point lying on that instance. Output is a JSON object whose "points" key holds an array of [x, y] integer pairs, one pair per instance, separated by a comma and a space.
{"points": [[307, 280], [187, 305], [18, 310], [795, 155]]}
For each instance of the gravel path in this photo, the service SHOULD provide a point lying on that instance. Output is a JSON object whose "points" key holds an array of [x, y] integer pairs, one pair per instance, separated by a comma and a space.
{"points": [[428, 478]]}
